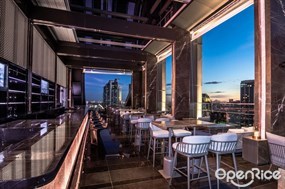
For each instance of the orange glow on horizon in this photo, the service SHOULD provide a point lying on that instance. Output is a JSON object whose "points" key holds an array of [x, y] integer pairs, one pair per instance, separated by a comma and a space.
{"points": [[224, 97]]}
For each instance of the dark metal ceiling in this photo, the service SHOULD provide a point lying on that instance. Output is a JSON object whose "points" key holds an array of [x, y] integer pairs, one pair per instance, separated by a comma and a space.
{"points": [[153, 12], [97, 29], [113, 24]]}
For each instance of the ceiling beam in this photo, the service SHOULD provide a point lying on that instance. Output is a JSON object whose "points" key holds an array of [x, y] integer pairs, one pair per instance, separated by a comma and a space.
{"points": [[154, 6], [116, 14], [102, 52], [167, 3], [55, 17], [77, 62], [96, 35], [105, 42]]}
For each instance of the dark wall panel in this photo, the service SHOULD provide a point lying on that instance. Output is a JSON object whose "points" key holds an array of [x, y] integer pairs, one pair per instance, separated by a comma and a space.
{"points": [[78, 89]]}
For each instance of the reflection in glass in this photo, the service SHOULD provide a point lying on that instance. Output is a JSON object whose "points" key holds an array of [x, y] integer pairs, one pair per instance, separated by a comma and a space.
{"points": [[15, 169], [41, 154], [2, 75]]}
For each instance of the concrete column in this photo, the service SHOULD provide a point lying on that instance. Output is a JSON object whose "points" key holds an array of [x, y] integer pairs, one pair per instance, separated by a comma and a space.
{"points": [[196, 103], [143, 87], [186, 78], [55, 84], [161, 86], [150, 84], [269, 67], [78, 87], [69, 88], [181, 77], [29, 66], [137, 89]]}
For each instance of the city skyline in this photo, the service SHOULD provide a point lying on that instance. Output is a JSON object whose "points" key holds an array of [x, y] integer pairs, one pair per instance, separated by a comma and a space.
{"points": [[229, 46], [94, 85]]}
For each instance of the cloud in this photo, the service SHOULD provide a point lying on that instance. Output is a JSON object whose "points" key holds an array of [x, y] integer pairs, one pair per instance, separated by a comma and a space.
{"points": [[99, 80], [212, 82], [218, 92], [124, 85], [248, 45], [93, 84], [220, 96]]}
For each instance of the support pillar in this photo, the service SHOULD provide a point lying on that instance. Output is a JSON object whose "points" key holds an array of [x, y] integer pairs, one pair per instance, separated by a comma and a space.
{"points": [[137, 89], [269, 67], [150, 84], [78, 89], [161, 85], [186, 78], [143, 87], [55, 84], [181, 78], [196, 85], [29, 66], [69, 88]]}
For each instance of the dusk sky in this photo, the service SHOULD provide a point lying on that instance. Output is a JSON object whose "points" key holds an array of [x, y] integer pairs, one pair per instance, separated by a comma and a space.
{"points": [[227, 58]]}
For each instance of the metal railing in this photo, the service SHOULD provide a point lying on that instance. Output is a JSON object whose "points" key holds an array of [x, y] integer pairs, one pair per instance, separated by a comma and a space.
{"points": [[237, 113]]}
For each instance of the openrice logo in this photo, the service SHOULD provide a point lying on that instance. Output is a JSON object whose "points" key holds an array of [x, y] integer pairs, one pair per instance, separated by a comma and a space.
{"points": [[254, 173]]}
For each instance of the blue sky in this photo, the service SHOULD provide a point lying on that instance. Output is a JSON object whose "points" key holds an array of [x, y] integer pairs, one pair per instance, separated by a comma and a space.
{"points": [[94, 84], [228, 56]]}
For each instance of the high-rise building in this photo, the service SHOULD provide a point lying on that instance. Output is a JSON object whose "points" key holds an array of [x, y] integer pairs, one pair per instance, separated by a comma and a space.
{"points": [[168, 96], [112, 95], [246, 96], [120, 93], [206, 105], [247, 91]]}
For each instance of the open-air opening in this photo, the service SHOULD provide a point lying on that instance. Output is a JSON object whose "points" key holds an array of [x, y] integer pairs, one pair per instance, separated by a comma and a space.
{"points": [[107, 88], [228, 71]]}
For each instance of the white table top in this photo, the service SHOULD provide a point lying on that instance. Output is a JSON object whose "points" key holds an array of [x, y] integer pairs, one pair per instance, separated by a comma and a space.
{"points": [[176, 124]]}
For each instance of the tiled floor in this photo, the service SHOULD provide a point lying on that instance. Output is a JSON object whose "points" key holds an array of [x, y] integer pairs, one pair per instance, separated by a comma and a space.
{"points": [[130, 169]]}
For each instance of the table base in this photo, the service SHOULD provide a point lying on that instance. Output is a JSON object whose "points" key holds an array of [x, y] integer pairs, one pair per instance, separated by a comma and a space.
{"points": [[167, 167]]}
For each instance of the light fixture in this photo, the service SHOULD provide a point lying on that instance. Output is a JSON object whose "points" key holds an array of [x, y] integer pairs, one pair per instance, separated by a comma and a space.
{"points": [[183, 1], [219, 17], [105, 71], [256, 135], [164, 54]]}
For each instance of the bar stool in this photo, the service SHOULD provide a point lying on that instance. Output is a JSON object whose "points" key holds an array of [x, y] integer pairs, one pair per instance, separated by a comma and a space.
{"points": [[276, 145], [156, 134], [193, 147], [142, 127], [224, 144], [151, 117], [133, 122], [180, 133]]}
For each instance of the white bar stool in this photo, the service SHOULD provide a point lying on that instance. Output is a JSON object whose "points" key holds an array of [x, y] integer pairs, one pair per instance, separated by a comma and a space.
{"points": [[193, 147], [180, 133], [142, 127], [155, 135], [133, 122], [224, 144]]}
